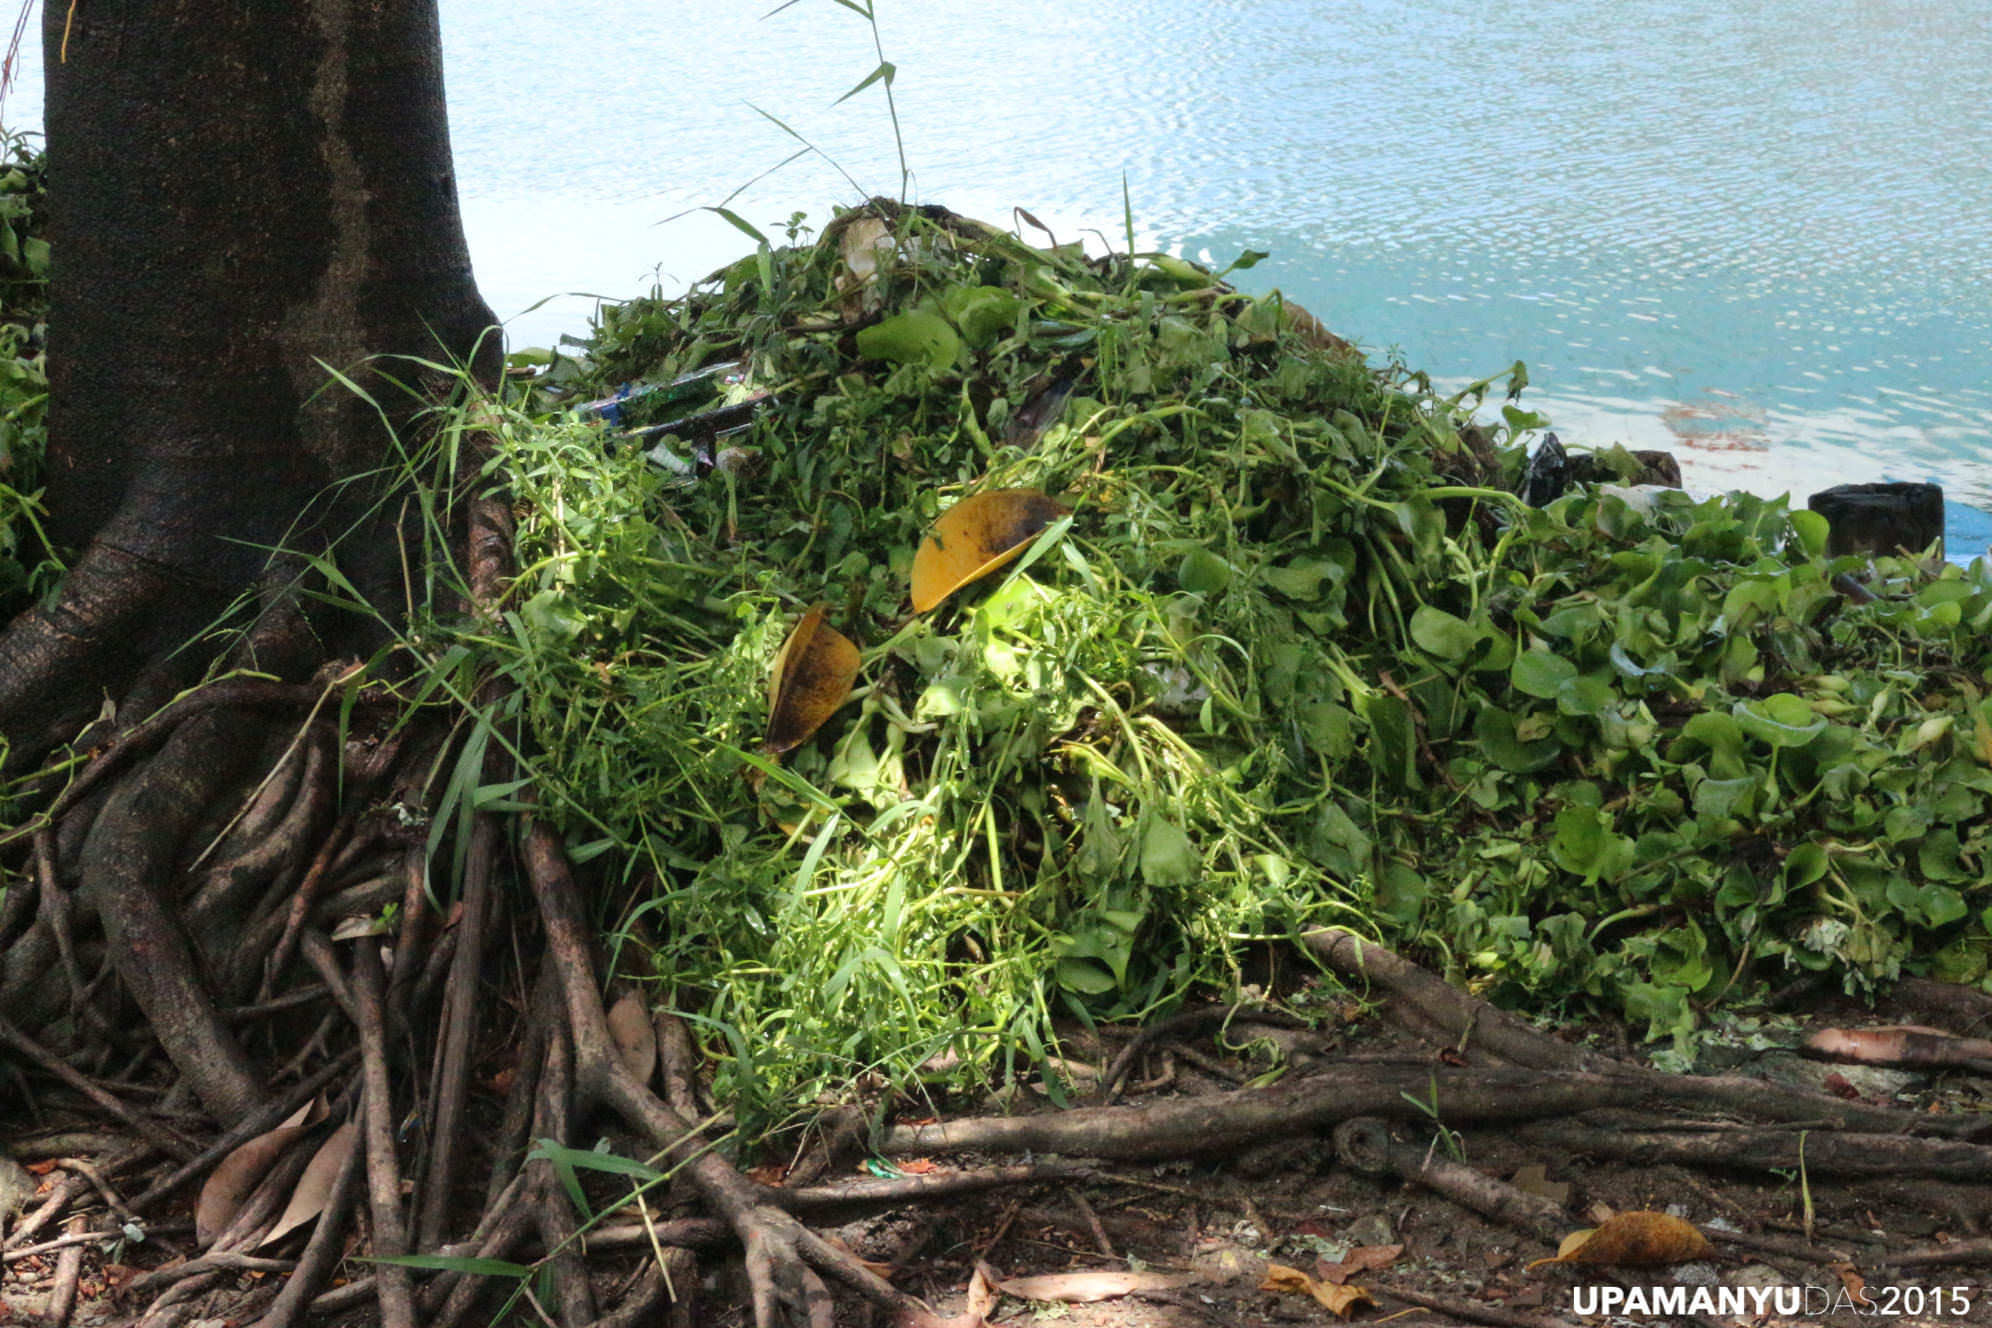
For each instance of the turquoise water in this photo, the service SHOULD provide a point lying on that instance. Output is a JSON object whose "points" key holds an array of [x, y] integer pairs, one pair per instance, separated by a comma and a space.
{"points": [[1756, 232]]}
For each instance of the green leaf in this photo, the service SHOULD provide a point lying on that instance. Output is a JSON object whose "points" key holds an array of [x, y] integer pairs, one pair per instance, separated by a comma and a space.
{"points": [[1203, 572], [1168, 857], [1588, 695], [741, 224], [914, 337], [1441, 633], [885, 72], [1782, 720], [1494, 730], [584, 1159], [1811, 530], [1539, 673]]}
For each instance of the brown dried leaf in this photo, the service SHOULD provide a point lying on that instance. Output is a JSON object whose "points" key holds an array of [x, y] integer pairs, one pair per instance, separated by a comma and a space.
{"points": [[229, 1185], [1535, 1180], [635, 1039], [865, 244], [1338, 1300], [1855, 1284], [314, 1187], [1083, 1288], [1362, 1259], [813, 676], [1636, 1239], [975, 537]]}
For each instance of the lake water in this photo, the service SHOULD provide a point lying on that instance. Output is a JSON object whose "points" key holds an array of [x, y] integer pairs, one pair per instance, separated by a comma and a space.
{"points": [[1756, 232]]}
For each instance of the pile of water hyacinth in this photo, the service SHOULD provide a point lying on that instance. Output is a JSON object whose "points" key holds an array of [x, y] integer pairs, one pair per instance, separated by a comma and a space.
{"points": [[929, 634]]}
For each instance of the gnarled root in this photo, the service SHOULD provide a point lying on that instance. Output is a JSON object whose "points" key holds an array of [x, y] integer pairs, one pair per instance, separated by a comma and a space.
{"points": [[783, 1256]]}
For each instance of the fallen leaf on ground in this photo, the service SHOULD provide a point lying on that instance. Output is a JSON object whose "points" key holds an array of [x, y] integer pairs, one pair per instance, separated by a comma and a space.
{"points": [[1855, 1284], [228, 1186], [1362, 1259], [1083, 1288], [1534, 1179], [1338, 1300], [1633, 1239], [314, 1187]]}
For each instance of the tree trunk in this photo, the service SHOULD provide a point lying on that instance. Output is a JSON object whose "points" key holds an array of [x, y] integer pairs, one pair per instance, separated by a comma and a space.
{"points": [[240, 196]]}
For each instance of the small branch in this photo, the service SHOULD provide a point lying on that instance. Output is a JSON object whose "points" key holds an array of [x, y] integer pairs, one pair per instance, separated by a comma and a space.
{"points": [[1365, 1145]]}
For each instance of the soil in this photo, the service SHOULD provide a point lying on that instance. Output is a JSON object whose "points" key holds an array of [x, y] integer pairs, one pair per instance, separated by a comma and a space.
{"points": [[1209, 1232]]}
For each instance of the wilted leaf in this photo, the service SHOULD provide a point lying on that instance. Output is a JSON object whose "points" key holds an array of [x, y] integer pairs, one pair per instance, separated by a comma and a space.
{"points": [[1339, 1300], [1535, 1180], [314, 1187], [1633, 1239], [1362, 1259], [813, 676], [1082, 1288], [635, 1039], [232, 1180], [975, 537], [1851, 1279]]}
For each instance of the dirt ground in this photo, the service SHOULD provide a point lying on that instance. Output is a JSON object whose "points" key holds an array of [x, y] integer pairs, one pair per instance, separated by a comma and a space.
{"points": [[1198, 1241]]}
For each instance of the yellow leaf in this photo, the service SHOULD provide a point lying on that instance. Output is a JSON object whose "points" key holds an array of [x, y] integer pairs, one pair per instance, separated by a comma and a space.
{"points": [[1634, 1239], [975, 537], [1338, 1300], [813, 676]]}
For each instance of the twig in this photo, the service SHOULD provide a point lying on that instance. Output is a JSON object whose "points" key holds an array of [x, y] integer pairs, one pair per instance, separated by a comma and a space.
{"points": [[1106, 1246], [1365, 1145], [1976, 1250], [1469, 1310]]}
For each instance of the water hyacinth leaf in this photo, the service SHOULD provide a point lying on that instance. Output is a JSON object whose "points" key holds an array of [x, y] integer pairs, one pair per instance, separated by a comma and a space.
{"points": [[1301, 578], [1168, 856], [1782, 720], [1587, 694], [1203, 572], [917, 336], [1441, 633], [1539, 673], [813, 676], [975, 537], [983, 313], [1494, 730]]}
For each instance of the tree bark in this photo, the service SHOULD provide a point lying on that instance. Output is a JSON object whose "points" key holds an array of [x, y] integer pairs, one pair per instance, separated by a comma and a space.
{"points": [[240, 196]]}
